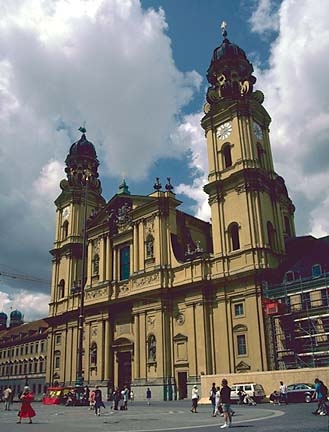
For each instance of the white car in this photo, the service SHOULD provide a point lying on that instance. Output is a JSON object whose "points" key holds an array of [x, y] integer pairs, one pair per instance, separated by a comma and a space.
{"points": [[256, 391]]}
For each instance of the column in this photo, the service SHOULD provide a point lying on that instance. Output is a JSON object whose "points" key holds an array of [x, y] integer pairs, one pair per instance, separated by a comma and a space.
{"points": [[135, 249]]}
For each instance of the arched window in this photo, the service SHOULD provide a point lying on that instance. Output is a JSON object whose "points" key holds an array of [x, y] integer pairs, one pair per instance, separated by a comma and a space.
{"points": [[93, 354], [65, 229], [234, 236], [227, 155], [96, 265], [270, 235], [151, 342], [61, 289], [260, 153], [287, 226], [149, 246]]}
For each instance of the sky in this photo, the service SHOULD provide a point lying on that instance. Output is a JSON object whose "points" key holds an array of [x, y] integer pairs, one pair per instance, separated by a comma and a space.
{"points": [[135, 73]]}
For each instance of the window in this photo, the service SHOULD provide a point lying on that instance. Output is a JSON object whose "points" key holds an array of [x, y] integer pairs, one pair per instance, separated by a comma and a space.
{"points": [[37, 347], [241, 344], [325, 296], [260, 152], [227, 155], [287, 226], [125, 263], [42, 346], [31, 348], [65, 229], [316, 270], [234, 236], [306, 300], [57, 360], [238, 309], [96, 265], [58, 339], [61, 288], [271, 235], [26, 349]]}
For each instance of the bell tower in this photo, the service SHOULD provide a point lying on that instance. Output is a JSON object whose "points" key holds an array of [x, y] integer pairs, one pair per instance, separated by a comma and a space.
{"points": [[251, 211], [79, 200]]}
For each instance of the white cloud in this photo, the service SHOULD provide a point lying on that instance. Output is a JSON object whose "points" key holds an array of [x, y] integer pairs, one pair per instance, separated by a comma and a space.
{"points": [[265, 17], [107, 62], [33, 305]]}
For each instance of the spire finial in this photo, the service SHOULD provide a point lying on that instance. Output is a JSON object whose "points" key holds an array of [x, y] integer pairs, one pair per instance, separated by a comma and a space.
{"points": [[82, 128], [223, 27]]}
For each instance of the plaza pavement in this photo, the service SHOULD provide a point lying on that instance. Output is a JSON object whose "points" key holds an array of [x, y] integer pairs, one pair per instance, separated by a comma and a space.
{"points": [[164, 416]]}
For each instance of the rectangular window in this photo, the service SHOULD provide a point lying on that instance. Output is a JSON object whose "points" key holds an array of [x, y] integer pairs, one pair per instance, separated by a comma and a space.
{"points": [[316, 270], [238, 309], [241, 344], [31, 349], [306, 300], [26, 349], [58, 339], [57, 362], [125, 263], [37, 347], [42, 346]]}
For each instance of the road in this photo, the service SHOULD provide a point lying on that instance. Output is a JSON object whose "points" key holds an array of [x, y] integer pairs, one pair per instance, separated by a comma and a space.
{"points": [[166, 416]]}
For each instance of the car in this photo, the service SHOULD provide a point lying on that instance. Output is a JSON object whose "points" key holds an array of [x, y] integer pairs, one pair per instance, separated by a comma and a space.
{"points": [[301, 392], [256, 391]]}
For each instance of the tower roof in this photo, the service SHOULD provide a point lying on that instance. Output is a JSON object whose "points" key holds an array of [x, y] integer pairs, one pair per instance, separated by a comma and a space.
{"points": [[230, 72], [83, 147]]}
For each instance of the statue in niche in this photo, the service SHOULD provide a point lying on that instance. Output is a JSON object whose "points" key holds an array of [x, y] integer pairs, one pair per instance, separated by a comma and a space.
{"points": [[149, 246], [152, 349]]}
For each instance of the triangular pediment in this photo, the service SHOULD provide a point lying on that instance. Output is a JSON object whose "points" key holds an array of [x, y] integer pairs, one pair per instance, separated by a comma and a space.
{"points": [[179, 337], [242, 366]]}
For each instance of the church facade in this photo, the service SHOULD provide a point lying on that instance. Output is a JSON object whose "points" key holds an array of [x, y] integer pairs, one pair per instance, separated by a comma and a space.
{"points": [[144, 294]]}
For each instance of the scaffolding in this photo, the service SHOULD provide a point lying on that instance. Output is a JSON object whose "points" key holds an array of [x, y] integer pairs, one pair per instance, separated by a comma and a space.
{"points": [[297, 321]]}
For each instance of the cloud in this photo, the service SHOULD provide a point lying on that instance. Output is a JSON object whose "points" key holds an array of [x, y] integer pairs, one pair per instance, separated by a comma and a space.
{"points": [[265, 17], [34, 305], [107, 62]]}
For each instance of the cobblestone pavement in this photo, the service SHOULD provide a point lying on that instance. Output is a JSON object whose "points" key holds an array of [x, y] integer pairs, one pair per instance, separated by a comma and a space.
{"points": [[165, 416]]}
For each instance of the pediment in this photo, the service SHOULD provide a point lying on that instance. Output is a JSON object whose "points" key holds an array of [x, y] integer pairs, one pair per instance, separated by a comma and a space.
{"points": [[179, 337], [242, 366]]}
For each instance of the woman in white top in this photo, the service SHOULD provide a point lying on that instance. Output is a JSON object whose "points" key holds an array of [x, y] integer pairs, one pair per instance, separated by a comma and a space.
{"points": [[195, 398]]}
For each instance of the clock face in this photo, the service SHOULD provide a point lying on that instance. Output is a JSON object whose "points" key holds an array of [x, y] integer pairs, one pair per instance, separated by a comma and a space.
{"points": [[258, 131], [66, 212], [224, 130]]}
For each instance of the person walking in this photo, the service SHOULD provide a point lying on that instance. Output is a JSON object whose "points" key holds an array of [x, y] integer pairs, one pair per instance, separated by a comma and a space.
{"points": [[217, 402], [225, 399], [98, 401], [195, 398], [283, 393], [116, 398], [212, 398], [7, 397], [320, 394], [26, 410], [125, 396], [148, 395]]}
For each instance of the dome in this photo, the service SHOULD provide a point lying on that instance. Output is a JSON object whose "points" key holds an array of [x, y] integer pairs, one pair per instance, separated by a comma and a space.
{"points": [[16, 315], [228, 50], [83, 147], [3, 317]]}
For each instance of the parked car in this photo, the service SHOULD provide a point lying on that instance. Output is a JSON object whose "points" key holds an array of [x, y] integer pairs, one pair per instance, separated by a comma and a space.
{"points": [[256, 391], [301, 392]]}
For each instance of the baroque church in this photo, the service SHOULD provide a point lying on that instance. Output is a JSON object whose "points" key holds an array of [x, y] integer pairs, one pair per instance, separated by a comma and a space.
{"points": [[144, 294]]}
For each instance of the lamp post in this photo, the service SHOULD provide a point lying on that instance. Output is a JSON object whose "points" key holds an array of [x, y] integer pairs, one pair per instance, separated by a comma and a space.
{"points": [[84, 182]]}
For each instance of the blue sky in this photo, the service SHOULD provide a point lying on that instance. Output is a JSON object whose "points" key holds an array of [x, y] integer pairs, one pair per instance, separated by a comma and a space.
{"points": [[135, 71]]}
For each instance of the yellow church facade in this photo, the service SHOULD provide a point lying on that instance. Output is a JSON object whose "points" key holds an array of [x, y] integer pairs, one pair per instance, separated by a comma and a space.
{"points": [[146, 295]]}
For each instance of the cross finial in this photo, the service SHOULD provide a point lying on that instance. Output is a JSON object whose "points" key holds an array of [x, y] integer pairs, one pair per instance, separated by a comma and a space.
{"points": [[223, 27]]}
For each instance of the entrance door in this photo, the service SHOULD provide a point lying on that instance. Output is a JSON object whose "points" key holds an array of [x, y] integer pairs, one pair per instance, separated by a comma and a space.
{"points": [[182, 386], [124, 370]]}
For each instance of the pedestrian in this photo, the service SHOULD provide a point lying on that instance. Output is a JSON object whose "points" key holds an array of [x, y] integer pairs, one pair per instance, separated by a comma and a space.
{"points": [[148, 395], [225, 399], [131, 395], [217, 402], [92, 399], [212, 398], [195, 398], [241, 394], [125, 397], [26, 410], [7, 397], [98, 401], [116, 398], [283, 393], [321, 395]]}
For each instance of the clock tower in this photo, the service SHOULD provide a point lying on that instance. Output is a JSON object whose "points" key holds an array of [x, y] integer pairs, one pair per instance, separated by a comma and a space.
{"points": [[251, 211], [79, 200]]}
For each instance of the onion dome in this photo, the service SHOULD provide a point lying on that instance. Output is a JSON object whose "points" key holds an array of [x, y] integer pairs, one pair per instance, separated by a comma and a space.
{"points": [[16, 318], [82, 164], [230, 72], [3, 320]]}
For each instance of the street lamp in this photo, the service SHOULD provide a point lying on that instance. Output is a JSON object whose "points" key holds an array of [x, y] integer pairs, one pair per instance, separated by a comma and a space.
{"points": [[84, 183]]}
